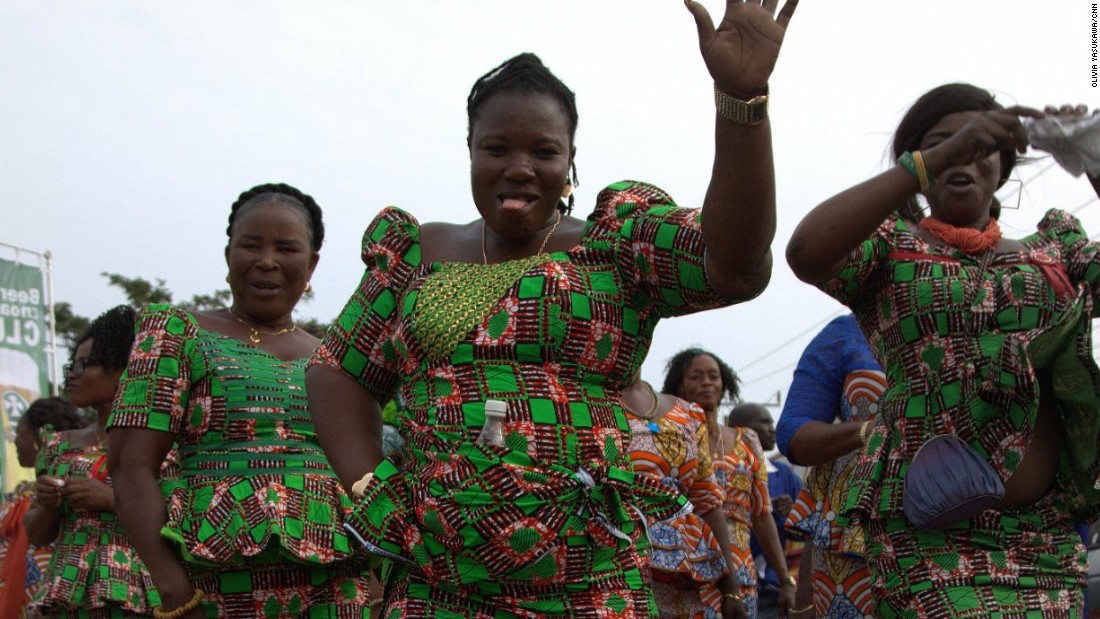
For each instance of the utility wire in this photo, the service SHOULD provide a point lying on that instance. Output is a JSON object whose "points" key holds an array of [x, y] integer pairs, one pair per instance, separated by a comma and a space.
{"points": [[1019, 188], [785, 368], [794, 339]]}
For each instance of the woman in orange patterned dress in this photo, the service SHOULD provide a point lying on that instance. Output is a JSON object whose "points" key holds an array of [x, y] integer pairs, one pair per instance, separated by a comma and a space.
{"points": [[689, 557], [702, 378]]}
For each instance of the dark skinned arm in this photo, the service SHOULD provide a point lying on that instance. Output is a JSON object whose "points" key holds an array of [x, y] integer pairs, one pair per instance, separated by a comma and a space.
{"points": [[764, 527], [816, 442], [804, 592], [738, 218], [348, 421], [826, 236], [134, 459], [716, 520]]}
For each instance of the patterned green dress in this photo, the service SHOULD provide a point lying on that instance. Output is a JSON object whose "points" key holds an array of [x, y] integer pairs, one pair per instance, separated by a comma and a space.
{"points": [[94, 571], [962, 339], [256, 511], [549, 524]]}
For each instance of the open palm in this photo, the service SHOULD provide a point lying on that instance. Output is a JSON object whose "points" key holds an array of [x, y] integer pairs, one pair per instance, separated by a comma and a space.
{"points": [[741, 52]]}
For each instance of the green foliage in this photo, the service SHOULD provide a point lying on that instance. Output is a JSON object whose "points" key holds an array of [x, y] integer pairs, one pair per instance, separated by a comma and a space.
{"points": [[68, 325], [206, 302], [315, 327], [141, 292]]}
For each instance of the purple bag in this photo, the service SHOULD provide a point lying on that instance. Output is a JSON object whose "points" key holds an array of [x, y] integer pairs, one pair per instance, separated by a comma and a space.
{"points": [[948, 482]]}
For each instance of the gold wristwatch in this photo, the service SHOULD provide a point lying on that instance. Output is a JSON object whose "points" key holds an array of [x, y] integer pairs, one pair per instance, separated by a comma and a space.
{"points": [[751, 112]]}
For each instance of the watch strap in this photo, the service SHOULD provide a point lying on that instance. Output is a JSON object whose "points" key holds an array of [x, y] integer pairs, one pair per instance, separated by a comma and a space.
{"points": [[751, 112]]}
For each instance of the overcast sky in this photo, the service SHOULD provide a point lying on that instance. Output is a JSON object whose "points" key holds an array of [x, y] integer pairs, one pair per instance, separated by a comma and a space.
{"points": [[128, 128]]}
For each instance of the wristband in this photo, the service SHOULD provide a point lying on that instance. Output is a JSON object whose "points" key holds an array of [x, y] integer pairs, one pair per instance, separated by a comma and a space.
{"points": [[751, 112], [864, 432], [913, 162], [188, 606]]}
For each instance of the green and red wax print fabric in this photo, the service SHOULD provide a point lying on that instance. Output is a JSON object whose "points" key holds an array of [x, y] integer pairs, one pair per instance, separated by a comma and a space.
{"points": [[556, 512], [93, 568], [964, 341], [252, 471], [255, 493]]}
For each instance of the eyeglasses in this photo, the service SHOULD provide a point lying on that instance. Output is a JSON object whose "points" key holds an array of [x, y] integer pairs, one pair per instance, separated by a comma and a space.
{"points": [[77, 367]]}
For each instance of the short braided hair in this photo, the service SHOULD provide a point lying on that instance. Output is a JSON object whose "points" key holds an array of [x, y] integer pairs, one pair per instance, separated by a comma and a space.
{"points": [[524, 73], [112, 335], [281, 192], [55, 412]]}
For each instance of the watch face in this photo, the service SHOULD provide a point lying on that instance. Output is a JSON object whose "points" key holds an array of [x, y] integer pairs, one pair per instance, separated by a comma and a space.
{"points": [[758, 109]]}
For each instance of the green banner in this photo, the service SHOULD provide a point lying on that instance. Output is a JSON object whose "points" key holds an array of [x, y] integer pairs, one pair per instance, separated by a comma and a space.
{"points": [[24, 364]]}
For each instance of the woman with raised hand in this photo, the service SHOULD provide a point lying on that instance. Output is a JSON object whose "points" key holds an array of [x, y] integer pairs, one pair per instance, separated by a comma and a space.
{"points": [[550, 315], [251, 526], [94, 571], [970, 480]]}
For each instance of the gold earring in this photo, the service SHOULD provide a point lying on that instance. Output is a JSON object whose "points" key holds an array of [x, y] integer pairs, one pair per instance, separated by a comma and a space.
{"points": [[568, 191], [309, 286]]}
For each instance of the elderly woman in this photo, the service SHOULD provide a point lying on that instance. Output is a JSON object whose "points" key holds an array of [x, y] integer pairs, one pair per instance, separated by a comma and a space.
{"points": [[251, 527], [986, 344], [552, 316]]}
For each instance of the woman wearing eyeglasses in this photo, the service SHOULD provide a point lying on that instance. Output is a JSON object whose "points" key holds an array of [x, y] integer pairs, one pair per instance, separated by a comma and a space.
{"points": [[94, 572]]}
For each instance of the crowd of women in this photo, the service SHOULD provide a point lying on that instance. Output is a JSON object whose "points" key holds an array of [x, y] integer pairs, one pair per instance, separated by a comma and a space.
{"points": [[236, 466]]}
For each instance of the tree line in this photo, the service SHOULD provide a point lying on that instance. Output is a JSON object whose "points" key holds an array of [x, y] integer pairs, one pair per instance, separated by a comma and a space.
{"points": [[141, 292]]}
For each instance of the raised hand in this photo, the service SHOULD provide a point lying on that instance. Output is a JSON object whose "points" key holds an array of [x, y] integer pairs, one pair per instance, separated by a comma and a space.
{"points": [[1069, 111], [983, 134], [741, 52]]}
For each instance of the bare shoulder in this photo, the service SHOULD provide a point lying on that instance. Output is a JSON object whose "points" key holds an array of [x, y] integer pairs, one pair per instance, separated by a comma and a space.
{"points": [[568, 235], [447, 242]]}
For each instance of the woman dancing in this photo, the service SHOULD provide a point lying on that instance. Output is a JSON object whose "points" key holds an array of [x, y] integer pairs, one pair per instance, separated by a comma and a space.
{"points": [[983, 338], [552, 316]]}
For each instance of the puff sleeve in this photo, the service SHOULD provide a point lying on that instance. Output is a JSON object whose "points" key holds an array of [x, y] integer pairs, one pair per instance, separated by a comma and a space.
{"points": [[360, 341]]}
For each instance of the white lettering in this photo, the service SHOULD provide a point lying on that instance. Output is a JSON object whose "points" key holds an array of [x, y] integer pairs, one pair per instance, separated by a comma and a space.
{"points": [[20, 332], [17, 295]]}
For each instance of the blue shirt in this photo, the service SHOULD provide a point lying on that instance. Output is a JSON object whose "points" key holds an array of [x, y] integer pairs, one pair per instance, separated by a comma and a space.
{"points": [[818, 386]]}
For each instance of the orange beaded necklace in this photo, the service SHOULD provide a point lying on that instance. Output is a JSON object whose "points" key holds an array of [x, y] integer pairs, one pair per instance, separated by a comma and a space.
{"points": [[968, 240]]}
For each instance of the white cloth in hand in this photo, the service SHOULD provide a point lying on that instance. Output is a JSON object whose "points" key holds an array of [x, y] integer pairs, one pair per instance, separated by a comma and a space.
{"points": [[1074, 142]]}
